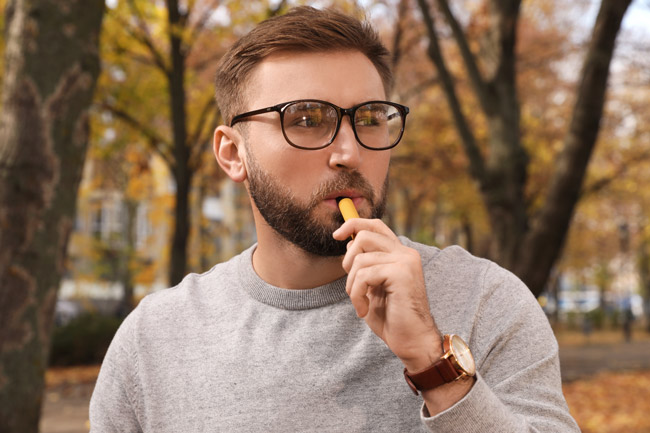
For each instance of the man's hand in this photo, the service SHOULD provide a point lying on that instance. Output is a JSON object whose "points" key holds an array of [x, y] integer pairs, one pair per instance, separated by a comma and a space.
{"points": [[386, 287]]}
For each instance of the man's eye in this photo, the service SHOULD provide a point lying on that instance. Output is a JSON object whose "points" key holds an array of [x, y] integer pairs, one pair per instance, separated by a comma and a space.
{"points": [[307, 120]]}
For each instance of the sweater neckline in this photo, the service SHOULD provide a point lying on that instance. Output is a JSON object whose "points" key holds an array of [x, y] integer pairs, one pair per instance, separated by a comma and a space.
{"points": [[287, 299]]}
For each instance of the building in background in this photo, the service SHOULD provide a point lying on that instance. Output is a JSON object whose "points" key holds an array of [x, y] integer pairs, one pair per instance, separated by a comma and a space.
{"points": [[122, 239]]}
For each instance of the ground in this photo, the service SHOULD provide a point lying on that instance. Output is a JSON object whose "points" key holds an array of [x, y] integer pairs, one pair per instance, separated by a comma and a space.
{"points": [[611, 402], [606, 384], [65, 407]]}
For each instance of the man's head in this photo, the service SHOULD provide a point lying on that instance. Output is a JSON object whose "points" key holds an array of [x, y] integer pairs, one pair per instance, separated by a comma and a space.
{"points": [[314, 55], [302, 29]]}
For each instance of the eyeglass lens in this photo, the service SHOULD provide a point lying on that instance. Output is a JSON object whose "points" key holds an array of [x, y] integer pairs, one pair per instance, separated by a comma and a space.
{"points": [[313, 124]]}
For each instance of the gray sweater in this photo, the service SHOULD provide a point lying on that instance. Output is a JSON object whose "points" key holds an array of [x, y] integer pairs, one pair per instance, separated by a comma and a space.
{"points": [[226, 352]]}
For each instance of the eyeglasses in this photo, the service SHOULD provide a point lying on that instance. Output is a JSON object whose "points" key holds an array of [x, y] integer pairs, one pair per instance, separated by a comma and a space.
{"points": [[311, 124]]}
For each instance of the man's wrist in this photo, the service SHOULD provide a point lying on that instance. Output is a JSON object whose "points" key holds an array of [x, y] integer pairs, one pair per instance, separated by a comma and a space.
{"points": [[456, 362], [426, 354]]}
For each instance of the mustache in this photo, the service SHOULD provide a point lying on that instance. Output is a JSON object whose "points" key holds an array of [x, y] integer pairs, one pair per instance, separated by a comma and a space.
{"points": [[344, 180]]}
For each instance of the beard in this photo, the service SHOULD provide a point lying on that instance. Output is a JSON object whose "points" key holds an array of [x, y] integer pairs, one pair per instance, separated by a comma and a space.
{"points": [[298, 223]]}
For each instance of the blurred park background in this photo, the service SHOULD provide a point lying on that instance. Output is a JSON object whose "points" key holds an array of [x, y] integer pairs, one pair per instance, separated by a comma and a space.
{"points": [[528, 142]]}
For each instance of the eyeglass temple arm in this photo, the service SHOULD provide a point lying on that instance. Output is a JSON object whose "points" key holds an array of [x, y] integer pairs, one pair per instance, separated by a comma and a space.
{"points": [[238, 118]]}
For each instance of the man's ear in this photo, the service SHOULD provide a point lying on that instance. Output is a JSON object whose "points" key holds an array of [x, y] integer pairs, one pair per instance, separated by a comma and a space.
{"points": [[229, 152]]}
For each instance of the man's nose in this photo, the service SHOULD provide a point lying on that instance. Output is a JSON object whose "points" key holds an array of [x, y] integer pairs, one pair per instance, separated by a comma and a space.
{"points": [[345, 150]]}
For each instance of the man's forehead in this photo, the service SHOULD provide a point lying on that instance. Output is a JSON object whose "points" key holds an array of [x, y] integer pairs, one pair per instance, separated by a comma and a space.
{"points": [[289, 75]]}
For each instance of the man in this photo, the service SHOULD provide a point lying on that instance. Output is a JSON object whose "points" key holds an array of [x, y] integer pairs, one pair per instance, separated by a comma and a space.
{"points": [[307, 330]]}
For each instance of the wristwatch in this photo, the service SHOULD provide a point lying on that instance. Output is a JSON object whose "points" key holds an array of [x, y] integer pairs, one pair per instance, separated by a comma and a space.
{"points": [[456, 362]]}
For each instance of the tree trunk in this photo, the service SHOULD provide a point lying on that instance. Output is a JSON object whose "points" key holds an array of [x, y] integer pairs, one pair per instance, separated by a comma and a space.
{"points": [[181, 169], [528, 248], [643, 264], [502, 175], [543, 244], [127, 258], [466, 229], [52, 64], [506, 169]]}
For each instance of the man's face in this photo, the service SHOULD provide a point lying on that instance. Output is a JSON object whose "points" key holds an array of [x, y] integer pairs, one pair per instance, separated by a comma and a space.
{"points": [[295, 221], [295, 190]]}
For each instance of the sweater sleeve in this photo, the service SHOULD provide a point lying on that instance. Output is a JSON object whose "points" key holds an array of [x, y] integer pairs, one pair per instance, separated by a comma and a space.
{"points": [[114, 403], [518, 387]]}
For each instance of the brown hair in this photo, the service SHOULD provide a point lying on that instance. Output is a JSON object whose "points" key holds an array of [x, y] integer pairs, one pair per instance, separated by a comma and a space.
{"points": [[302, 29]]}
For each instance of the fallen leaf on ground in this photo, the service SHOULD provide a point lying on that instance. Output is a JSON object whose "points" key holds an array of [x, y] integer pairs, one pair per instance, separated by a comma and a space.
{"points": [[56, 376], [611, 402]]}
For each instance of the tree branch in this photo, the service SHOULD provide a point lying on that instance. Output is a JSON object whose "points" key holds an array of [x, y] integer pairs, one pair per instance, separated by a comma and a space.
{"points": [[399, 33], [144, 37], [200, 24], [477, 164], [507, 15], [418, 88], [120, 50], [155, 140], [481, 88], [204, 140], [602, 183], [200, 124]]}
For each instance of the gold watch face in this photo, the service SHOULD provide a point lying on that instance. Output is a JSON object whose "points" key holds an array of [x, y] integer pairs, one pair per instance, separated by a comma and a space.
{"points": [[463, 356]]}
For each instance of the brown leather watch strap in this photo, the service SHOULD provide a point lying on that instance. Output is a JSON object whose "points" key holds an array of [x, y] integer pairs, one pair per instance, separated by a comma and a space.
{"points": [[438, 374]]}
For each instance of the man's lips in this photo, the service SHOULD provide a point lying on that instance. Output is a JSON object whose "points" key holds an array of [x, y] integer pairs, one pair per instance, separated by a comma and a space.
{"points": [[356, 197]]}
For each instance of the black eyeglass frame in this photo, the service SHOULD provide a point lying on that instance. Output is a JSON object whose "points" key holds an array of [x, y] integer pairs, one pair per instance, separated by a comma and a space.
{"points": [[350, 112]]}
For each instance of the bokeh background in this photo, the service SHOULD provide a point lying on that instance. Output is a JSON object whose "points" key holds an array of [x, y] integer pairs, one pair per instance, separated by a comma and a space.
{"points": [[528, 142]]}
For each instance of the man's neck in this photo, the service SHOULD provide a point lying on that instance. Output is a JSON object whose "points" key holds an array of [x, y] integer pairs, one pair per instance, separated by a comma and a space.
{"points": [[283, 264]]}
